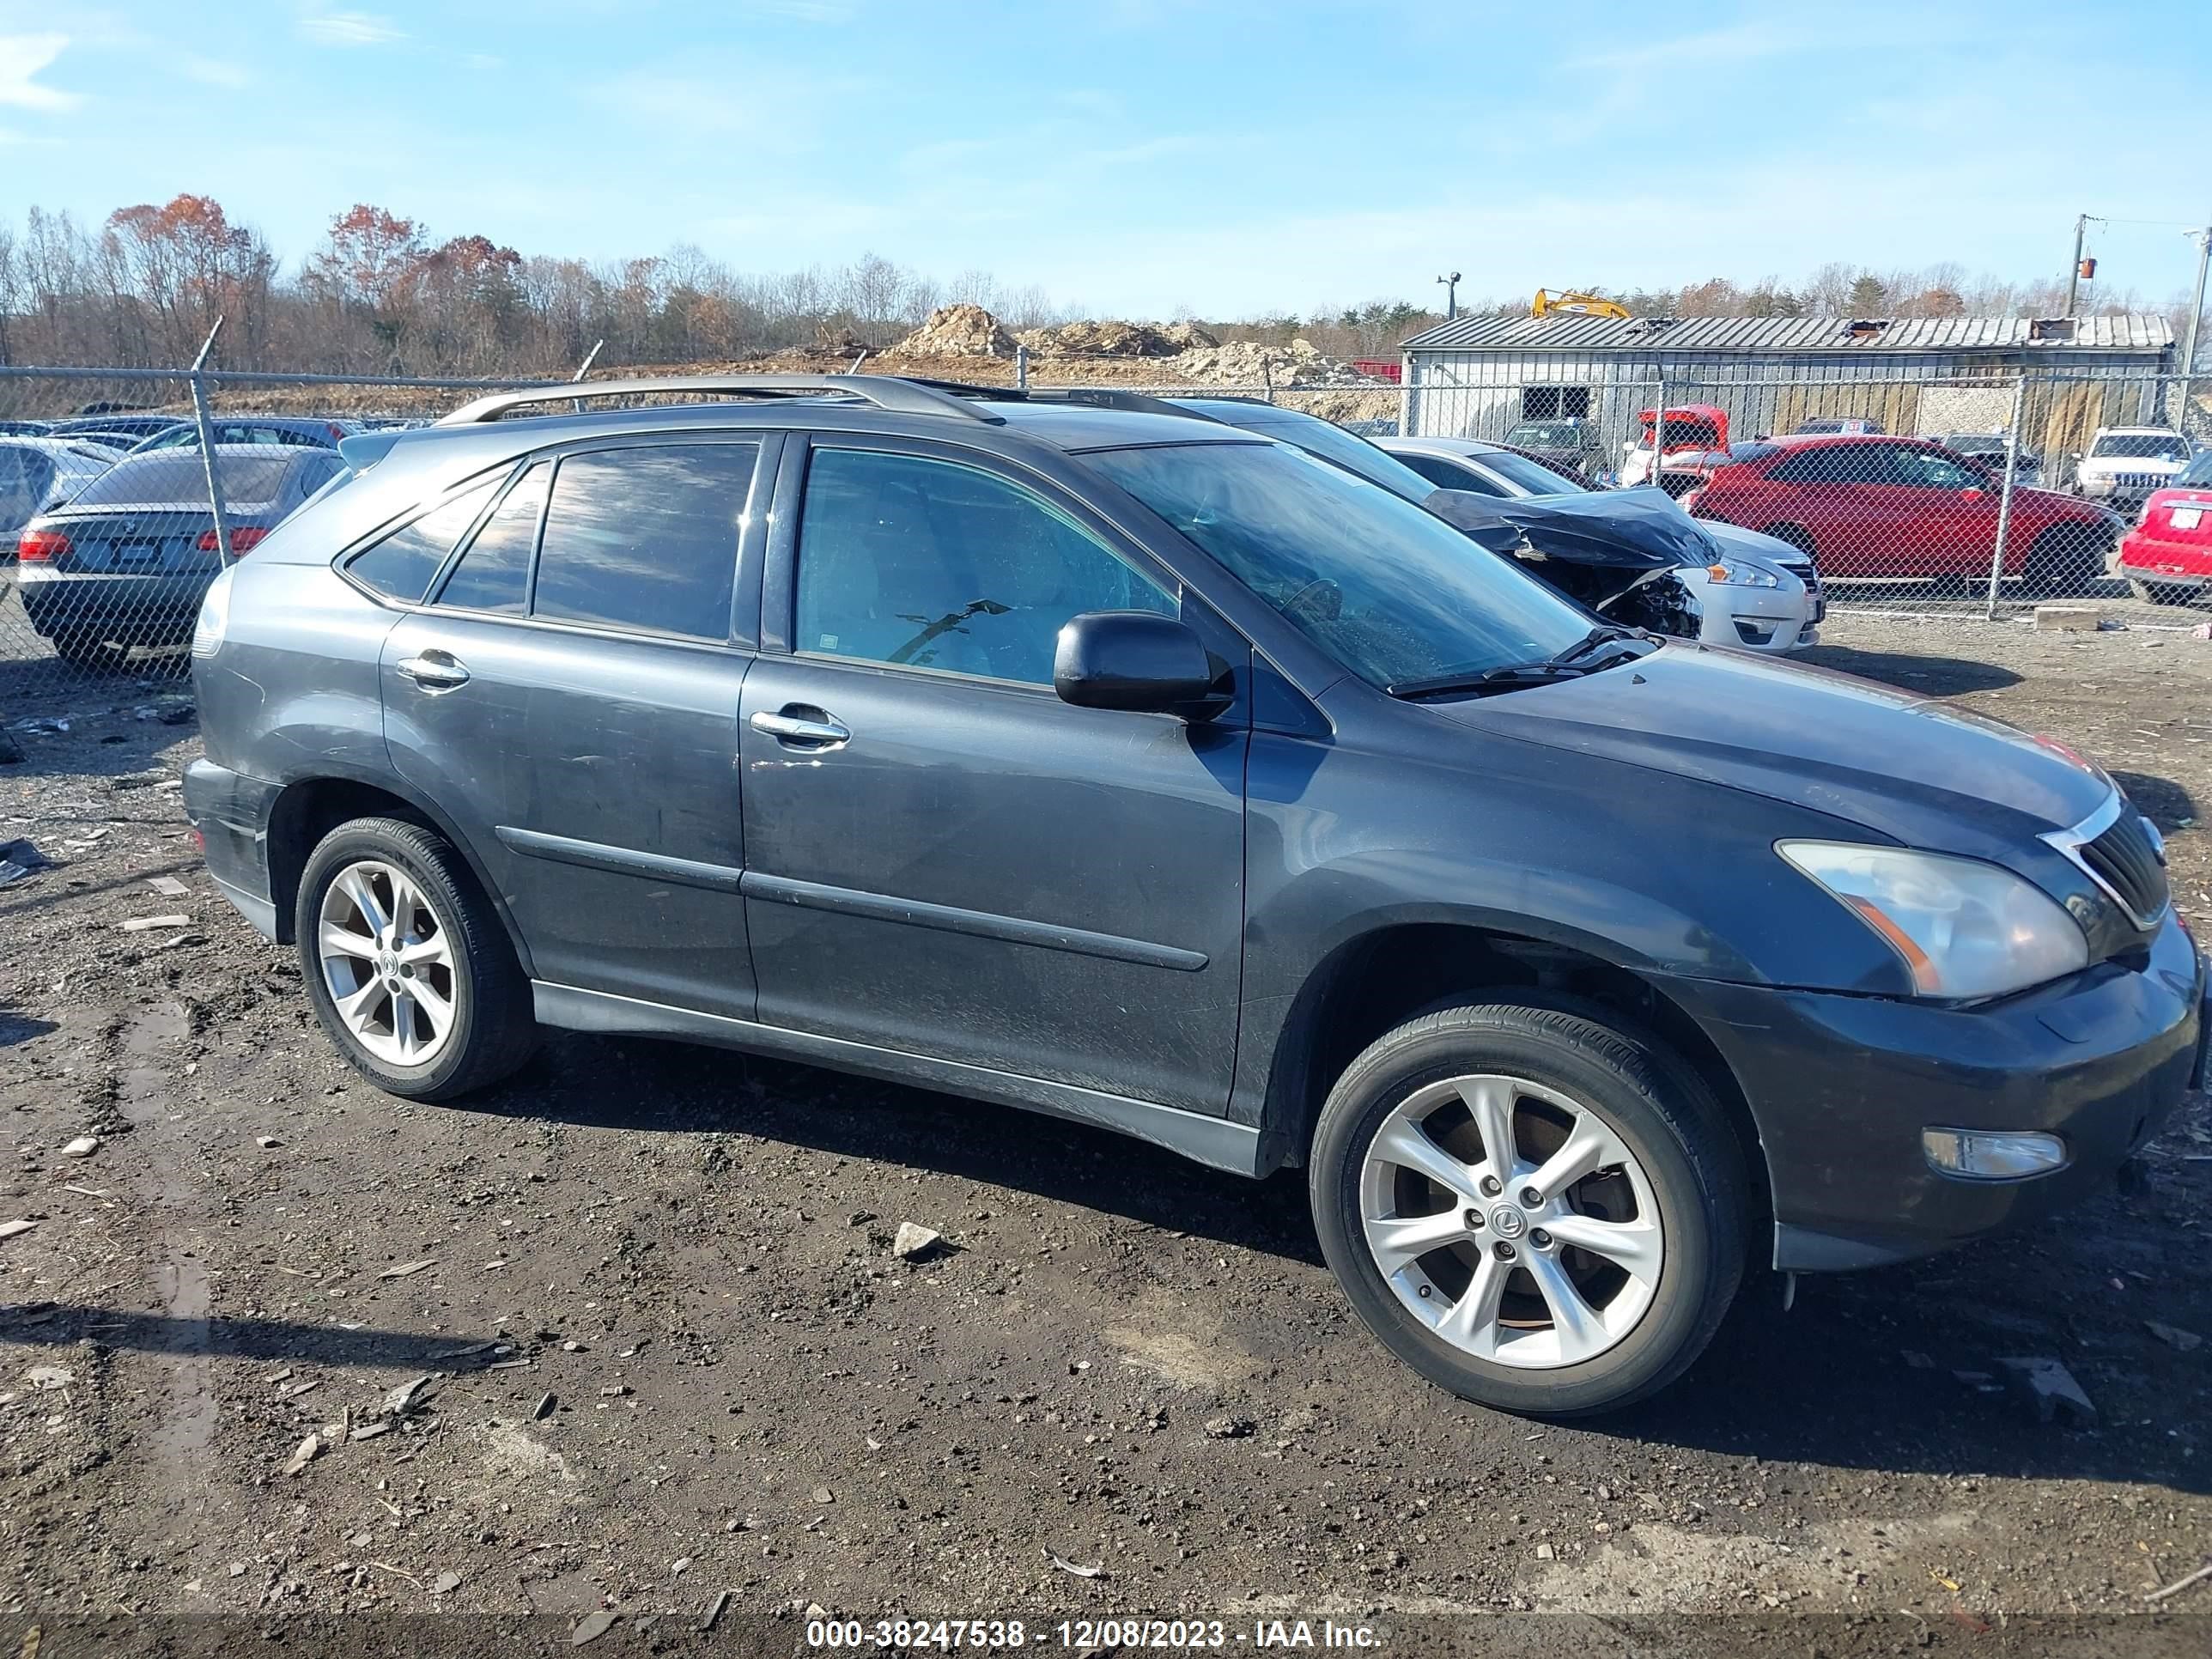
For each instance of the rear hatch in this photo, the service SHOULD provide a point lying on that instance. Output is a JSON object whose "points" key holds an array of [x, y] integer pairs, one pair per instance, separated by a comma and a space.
{"points": [[135, 541]]}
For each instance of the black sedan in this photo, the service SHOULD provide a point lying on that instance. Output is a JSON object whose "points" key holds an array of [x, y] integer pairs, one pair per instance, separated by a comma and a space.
{"points": [[125, 563]]}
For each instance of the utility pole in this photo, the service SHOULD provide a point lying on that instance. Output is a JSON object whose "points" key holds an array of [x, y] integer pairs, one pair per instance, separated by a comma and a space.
{"points": [[2203, 239], [1451, 296], [2073, 273]]}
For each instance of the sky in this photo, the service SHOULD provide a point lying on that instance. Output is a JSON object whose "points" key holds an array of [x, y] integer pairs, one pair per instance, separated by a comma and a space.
{"points": [[1152, 157]]}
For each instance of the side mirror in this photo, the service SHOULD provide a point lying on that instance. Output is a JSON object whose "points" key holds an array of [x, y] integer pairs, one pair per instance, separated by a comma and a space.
{"points": [[1135, 661]]}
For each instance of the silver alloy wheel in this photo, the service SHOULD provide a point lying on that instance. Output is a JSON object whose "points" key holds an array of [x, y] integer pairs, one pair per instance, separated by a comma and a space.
{"points": [[1533, 1262], [387, 961]]}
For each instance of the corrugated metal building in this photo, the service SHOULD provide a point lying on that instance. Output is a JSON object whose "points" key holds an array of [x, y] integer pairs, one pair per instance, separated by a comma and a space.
{"points": [[1476, 375]]}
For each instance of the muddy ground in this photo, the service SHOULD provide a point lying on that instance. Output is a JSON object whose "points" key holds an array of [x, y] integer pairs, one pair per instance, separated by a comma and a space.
{"points": [[673, 1355]]}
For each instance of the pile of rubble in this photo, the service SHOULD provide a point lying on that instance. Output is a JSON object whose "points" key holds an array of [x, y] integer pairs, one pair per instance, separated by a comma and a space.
{"points": [[1113, 339], [961, 331]]}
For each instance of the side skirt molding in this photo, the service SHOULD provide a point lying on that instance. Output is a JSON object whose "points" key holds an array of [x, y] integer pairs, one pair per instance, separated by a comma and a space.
{"points": [[1215, 1142]]}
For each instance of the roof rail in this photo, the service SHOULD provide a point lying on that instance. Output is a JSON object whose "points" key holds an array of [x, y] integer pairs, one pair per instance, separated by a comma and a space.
{"points": [[1094, 397], [883, 391]]}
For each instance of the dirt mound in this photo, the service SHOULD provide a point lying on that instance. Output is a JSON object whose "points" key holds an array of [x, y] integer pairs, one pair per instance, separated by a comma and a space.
{"points": [[1247, 362], [1086, 338], [961, 331]]}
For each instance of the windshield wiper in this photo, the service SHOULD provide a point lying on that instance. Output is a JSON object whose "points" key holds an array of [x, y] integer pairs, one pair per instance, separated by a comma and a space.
{"points": [[1604, 633], [1511, 677]]}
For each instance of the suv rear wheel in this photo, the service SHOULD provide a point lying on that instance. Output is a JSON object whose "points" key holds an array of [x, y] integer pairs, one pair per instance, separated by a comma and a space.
{"points": [[1534, 1208], [410, 973]]}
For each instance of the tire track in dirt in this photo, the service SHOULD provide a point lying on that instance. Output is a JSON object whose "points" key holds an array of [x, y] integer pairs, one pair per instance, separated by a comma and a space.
{"points": [[179, 1446]]}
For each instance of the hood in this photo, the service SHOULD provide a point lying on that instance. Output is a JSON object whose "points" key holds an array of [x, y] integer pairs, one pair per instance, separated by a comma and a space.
{"points": [[1623, 529], [1755, 545], [1909, 767], [2101, 465]]}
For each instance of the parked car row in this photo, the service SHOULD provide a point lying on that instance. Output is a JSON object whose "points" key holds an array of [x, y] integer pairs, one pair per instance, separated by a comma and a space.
{"points": [[1345, 846]]}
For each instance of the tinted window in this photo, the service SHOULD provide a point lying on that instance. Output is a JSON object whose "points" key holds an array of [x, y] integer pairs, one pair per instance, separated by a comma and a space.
{"points": [[1532, 476], [933, 565], [171, 476], [1838, 464], [645, 539], [401, 565], [1930, 469], [1448, 475], [2139, 446], [1333, 443], [1391, 591], [494, 574], [2198, 472]]}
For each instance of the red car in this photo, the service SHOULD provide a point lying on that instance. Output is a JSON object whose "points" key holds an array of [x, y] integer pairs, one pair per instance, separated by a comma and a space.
{"points": [[2167, 557], [1902, 508]]}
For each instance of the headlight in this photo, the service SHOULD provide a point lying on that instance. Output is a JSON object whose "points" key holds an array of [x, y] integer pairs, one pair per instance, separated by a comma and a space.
{"points": [[1962, 928], [1732, 574], [215, 616]]}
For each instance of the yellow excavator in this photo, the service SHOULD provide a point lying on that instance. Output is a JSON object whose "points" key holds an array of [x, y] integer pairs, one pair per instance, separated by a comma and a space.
{"points": [[1575, 303]]}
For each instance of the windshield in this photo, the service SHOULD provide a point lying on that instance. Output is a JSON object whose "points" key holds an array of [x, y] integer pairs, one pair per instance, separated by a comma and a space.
{"points": [[1333, 443], [1393, 594], [2140, 446], [1545, 435], [2198, 473], [170, 476], [1532, 476]]}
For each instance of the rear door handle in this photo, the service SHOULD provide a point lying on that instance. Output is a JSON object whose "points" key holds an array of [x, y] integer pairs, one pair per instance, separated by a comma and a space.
{"points": [[786, 726], [434, 670]]}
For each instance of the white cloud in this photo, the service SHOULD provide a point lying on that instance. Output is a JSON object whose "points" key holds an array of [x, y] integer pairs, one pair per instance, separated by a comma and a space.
{"points": [[22, 57], [350, 28], [213, 71]]}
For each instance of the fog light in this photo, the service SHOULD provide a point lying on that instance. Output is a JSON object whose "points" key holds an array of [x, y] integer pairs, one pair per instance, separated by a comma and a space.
{"points": [[1987, 1155]]}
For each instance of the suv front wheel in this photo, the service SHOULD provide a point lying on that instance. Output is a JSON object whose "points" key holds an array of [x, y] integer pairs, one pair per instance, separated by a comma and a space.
{"points": [[1535, 1210], [410, 971]]}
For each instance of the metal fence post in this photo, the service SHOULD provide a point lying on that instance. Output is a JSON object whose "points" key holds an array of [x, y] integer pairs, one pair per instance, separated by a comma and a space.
{"points": [[1267, 375], [1022, 367], [2004, 497], [224, 552]]}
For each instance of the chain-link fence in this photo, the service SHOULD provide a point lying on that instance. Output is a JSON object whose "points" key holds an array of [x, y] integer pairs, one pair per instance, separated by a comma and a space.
{"points": [[1973, 493], [123, 493]]}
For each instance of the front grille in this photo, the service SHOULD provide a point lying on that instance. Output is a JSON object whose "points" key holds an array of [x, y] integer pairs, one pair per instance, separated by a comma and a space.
{"points": [[2138, 480], [2126, 861]]}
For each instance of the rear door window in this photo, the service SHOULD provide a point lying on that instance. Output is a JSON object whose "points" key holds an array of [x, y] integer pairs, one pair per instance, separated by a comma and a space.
{"points": [[494, 573], [401, 565], [646, 538], [1448, 475]]}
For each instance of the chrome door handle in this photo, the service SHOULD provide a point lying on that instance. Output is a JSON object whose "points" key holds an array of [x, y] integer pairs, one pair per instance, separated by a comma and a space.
{"points": [[793, 728], [434, 671]]}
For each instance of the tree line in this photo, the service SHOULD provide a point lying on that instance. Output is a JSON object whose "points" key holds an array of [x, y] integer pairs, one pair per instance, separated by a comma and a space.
{"points": [[380, 294]]}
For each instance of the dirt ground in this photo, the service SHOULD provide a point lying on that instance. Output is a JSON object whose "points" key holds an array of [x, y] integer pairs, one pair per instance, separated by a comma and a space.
{"points": [[672, 1355]]}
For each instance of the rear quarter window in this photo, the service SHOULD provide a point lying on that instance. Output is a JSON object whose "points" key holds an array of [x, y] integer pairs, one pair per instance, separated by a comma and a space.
{"points": [[401, 565]]}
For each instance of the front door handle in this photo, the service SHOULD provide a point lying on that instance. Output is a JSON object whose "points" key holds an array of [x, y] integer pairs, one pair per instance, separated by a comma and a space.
{"points": [[434, 670], [786, 726]]}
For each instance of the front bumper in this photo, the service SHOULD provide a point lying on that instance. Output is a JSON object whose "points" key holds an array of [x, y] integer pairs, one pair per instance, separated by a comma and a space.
{"points": [[231, 812], [1842, 1086]]}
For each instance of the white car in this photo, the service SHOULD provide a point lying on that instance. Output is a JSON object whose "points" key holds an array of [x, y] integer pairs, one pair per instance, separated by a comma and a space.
{"points": [[1760, 594], [37, 474], [2125, 464]]}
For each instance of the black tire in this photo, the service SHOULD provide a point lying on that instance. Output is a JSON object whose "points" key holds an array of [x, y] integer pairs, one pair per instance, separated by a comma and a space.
{"points": [[2159, 592], [89, 654], [2066, 559], [1657, 1106], [1796, 535], [494, 1031]]}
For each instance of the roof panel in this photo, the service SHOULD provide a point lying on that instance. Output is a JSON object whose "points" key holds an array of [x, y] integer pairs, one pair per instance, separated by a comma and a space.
{"points": [[2137, 332]]}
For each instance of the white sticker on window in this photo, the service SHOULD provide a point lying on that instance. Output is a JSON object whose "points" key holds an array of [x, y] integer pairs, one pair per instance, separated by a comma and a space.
{"points": [[829, 642]]}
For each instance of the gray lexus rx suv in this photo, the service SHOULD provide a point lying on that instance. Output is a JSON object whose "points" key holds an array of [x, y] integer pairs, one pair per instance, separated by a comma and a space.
{"points": [[1146, 772]]}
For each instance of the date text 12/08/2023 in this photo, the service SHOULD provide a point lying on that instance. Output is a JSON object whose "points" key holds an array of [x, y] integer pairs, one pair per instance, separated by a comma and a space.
{"points": [[1086, 1634]]}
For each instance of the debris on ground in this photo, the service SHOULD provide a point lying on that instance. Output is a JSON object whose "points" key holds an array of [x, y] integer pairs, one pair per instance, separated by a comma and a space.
{"points": [[1229, 1428], [267, 1143], [149, 924], [2052, 1388], [915, 1243], [823, 1495], [2173, 1336], [2181, 1583], [82, 1147], [19, 859], [406, 1269], [1077, 1568], [592, 1626], [9, 1229], [447, 1583], [48, 1377], [304, 1454], [544, 1407], [168, 886], [406, 1397]]}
